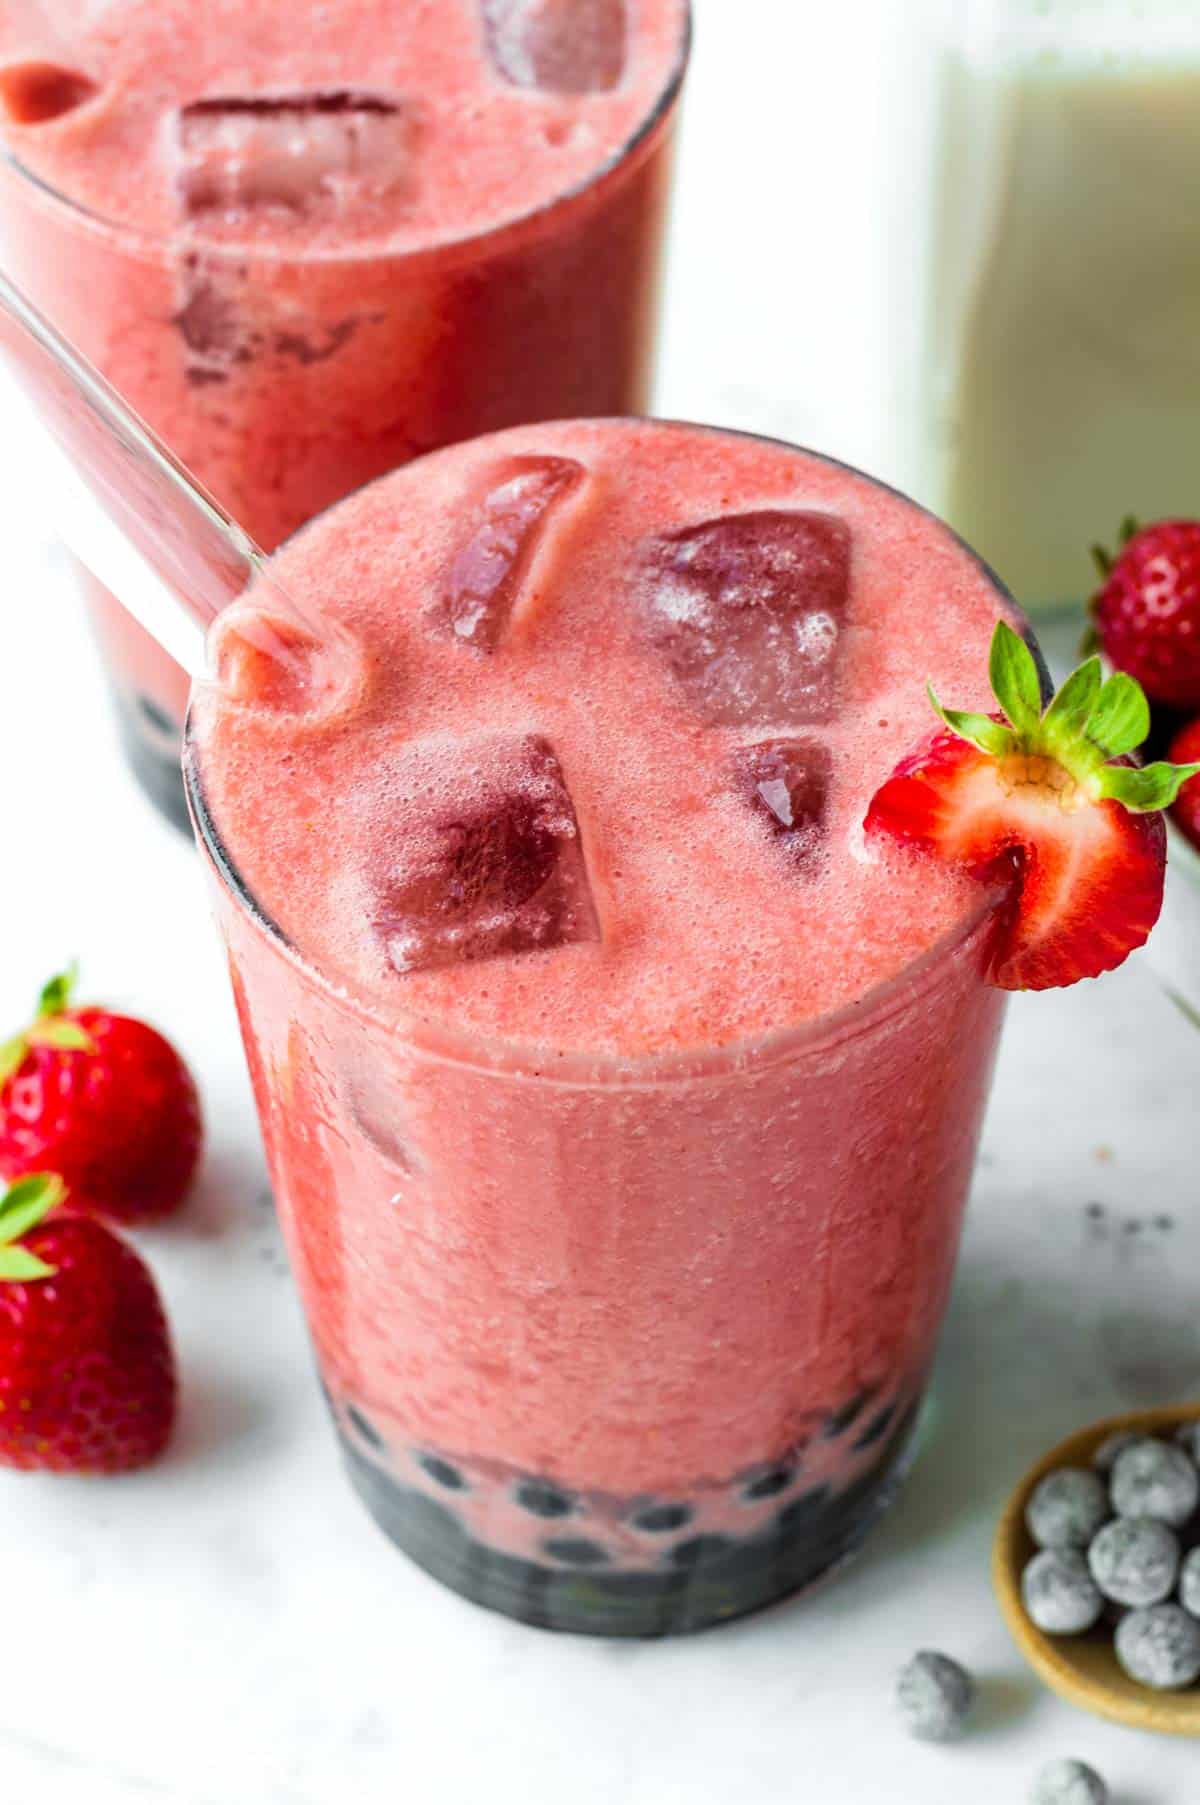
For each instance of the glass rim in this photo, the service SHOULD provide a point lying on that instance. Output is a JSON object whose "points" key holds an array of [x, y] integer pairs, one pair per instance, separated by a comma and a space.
{"points": [[515, 1059], [147, 244]]}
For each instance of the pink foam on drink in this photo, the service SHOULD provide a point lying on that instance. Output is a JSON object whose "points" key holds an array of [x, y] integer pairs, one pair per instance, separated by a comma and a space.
{"points": [[707, 936], [360, 123]]}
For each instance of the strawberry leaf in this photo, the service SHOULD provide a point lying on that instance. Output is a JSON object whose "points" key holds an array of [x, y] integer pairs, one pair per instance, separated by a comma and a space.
{"points": [[1145, 788], [56, 995], [1068, 713], [56, 1031], [19, 1266], [1120, 720], [12, 1056], [27, 1202], [979, 730], [1014, 677]]}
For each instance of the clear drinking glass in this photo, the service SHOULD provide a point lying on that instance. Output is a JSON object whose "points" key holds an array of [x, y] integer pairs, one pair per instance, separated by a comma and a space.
{"points": [[284, 381], [538, 1281], [1062, 375]]}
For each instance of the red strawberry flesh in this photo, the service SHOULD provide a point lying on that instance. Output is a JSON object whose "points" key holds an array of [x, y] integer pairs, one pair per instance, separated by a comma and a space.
{"points": [[1083, 879]]}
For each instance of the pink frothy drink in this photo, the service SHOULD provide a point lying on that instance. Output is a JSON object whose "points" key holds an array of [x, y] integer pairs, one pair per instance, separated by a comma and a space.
{"points": [[620, 1102], [308, 242]]}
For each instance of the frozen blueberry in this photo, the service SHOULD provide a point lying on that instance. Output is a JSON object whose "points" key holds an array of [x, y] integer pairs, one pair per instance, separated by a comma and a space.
{"points": [[1154, 1479], [1189, 1583], [576, 1551], [934, 1695], [542, 1500], [1160, 1647], [1187, 1437], [1066, 1508], [443, 1473], [1069, 1783], [1105, 1456], [1134, 1561], [1060, 1594], [661, 1519]]}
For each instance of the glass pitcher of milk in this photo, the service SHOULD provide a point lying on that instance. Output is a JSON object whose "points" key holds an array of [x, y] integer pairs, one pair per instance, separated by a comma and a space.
{"points": [[1063, 351]]}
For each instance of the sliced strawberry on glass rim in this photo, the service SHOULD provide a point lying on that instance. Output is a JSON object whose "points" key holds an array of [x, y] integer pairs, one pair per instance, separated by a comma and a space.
{"points": [[1048, 803]]}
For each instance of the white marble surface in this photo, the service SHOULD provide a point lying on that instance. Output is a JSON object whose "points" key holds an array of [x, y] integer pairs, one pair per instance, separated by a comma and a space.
{"points": [[228, 1629]]}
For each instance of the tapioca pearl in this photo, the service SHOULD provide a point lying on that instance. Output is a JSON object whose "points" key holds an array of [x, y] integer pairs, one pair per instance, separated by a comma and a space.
{"points": [[364, 1427], [662, 1519], [1189, 1583], [768, 1484], [803, 1512], [847, 1415], [575, 1551], [542, 1500], [876, 1429], [442, 1472], [700, 1551]]}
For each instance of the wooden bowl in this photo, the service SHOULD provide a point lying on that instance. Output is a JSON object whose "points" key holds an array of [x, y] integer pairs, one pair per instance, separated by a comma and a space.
{"points": [[1084, 1669]]}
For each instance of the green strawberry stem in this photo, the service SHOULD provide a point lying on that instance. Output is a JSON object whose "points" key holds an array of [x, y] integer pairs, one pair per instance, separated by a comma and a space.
{"points": [[22, 1207], [49, 1028], [1088, 724]]}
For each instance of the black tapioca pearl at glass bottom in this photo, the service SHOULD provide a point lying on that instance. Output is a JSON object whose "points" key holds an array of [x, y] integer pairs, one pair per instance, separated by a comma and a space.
{"points": [[157, 718], [442, 1472], [364, 1427], [803, 1512], [542, 1500], [662, 1519], [768, 1484], [848, 1414], [700, 1550], [876, 1429], [575, 1551]]}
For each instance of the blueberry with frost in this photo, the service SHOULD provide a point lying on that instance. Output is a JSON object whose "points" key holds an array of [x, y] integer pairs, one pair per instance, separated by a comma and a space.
{"points": [[1160, 1647], [1066, 1508], [1134, 1561], [1105, 1457], [1155, 1479], [1060, 1594], [1069, 1783], [935, 1695], [1189, 1583]]}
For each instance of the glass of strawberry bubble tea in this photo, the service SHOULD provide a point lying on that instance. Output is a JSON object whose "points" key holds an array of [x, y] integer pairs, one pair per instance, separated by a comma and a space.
{"points": [[620, 961], [308, 242]]}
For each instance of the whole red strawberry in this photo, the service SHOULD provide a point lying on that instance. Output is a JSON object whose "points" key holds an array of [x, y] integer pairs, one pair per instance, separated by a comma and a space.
{"points": [[104, 1101], [87, 1375], [1185, 750], [1147, 613]]}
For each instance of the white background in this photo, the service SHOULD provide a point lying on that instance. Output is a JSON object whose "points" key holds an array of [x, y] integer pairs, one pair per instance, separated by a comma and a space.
{"points": [[228, 1629]]}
